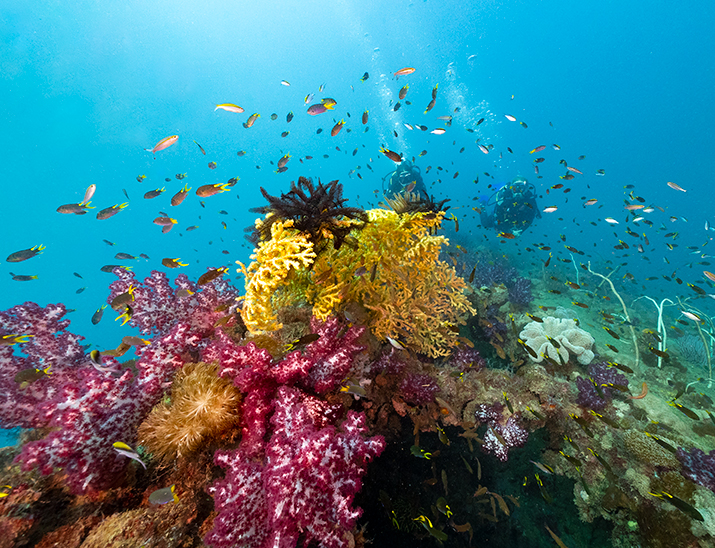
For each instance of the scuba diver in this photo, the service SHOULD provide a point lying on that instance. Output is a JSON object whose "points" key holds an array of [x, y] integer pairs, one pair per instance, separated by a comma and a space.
{"points": [[400, 180], [512, 208]]}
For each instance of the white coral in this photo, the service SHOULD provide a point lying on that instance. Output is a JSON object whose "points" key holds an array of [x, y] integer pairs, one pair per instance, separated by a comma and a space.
{"points": [[569, 337]]}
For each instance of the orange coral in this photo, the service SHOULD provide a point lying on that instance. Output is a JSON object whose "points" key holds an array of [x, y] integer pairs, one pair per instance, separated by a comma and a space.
{"points": [[203, 406], [412, 296]]}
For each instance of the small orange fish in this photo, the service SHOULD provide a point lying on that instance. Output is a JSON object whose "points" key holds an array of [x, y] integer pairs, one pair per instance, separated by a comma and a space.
{"points": [[205, 191], [164, 143], [229, 107], [404, 71], [506, 235], [643, 394]]}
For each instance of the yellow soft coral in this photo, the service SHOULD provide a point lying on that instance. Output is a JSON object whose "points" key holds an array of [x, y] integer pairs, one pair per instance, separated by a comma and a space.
{"points": [[274, 260], [412, 296]]}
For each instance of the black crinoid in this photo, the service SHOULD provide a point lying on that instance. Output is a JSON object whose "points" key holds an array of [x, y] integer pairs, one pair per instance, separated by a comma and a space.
{"points": [[316, 210], [413, 203]]}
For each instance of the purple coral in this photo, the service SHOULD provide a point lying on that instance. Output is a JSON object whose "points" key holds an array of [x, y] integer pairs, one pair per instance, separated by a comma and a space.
{"points": [[297, 469], [157, 306], [588, 396], [520, 291], [303, 489], [487, 274], [698, 466], [503, 433], [467, 359], [81, 409], [418, 389]]}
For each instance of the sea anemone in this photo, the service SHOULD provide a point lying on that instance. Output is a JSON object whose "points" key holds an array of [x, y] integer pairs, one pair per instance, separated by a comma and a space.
{"points": [[202, 407]]}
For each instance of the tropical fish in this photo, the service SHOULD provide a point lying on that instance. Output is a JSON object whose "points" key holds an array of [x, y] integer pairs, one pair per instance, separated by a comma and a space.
{"points": [[317, 108], [28, 376], [251, 120], [173, 263], [179, 197], [164, 221], [395, 343], [229, 107], [162, 496], [337, 127], [420, 453], [200, 148], [676, 187], [123, 449], [97, 316], [397, 158], [680, 504], [404, 71], [25, 254], [23, 277], [74, 209], [204, 191], [166, 142], [154, 193]]}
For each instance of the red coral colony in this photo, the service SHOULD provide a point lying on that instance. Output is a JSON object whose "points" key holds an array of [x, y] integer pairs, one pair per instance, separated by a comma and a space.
{"points": [[322, 433]]}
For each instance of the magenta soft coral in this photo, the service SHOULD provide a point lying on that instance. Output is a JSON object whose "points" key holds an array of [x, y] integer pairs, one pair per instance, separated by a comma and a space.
{"points": [[503, 433], [84, 410], [156, 305], [305, 486], [295, 470]]}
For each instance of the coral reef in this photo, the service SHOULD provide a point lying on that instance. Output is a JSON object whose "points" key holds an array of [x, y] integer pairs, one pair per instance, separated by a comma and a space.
{"points": [[318, 212], [418, 389], [296, 469], [698, 466], [156, 307], [305, 486], [570, 338], [589, 397], [286, 252], [202, 407], [692, 350], [503, 433], [82, 409], [395, 274]]}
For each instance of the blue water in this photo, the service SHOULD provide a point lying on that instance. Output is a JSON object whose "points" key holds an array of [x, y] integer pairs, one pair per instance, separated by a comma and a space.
{"points": [[85, 87]]}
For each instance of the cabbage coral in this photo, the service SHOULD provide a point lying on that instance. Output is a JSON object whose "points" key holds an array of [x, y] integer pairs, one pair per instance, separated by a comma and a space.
{"points": [[203, 407]]}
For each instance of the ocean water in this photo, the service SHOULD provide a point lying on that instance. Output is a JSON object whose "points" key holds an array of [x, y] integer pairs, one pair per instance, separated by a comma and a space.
{"points": [[86, 87]]}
